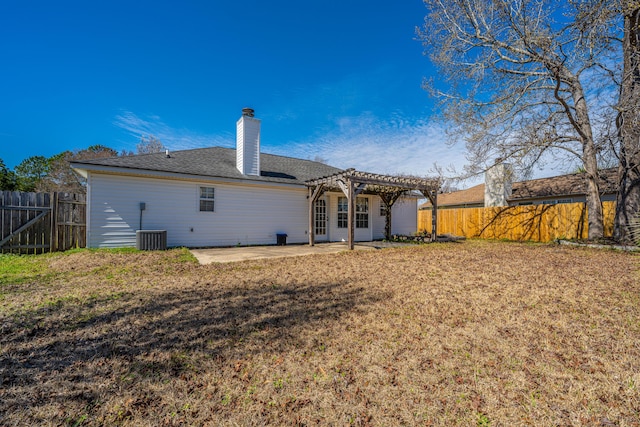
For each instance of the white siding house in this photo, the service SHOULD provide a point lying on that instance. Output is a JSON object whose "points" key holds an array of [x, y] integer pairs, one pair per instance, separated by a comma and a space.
{"points": [[223, 197], [242, 215]]}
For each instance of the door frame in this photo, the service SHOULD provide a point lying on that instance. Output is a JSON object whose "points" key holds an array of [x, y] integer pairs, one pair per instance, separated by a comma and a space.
{"points": [[321, 215]]}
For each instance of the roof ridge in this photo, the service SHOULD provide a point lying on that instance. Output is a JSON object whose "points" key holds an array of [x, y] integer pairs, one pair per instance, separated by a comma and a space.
{"points": [[215, 147], [215, 162]]}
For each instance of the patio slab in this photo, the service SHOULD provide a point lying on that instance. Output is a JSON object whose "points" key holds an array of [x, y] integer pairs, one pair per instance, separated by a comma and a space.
{"points": [[242, 253]]}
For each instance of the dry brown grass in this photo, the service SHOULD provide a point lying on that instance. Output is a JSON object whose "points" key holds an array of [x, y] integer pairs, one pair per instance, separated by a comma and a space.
{"points": [[474, 333]]}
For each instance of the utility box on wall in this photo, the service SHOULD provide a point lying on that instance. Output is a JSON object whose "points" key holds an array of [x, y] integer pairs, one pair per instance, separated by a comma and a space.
{"points": [[151, 240]]}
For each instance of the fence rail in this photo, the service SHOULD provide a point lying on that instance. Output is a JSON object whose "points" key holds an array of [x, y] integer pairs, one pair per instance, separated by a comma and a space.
{"points": [[32, 223], [541, 223]]}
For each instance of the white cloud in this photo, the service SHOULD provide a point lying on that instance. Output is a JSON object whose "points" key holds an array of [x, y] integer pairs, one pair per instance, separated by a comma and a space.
{"points": [[399, 145], [396, 146], [174, 139]]}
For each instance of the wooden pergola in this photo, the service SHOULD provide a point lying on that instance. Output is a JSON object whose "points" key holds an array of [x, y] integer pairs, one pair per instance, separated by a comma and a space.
{"points": [[352, 183]]}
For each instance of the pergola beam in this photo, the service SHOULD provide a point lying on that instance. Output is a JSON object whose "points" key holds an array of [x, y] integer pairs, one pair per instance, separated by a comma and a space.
{"points": [[343, 186], [376, 180]]}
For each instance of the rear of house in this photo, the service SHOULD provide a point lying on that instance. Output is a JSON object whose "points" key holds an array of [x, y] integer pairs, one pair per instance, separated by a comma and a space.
{"points": [[194, 213], [224, 197]]}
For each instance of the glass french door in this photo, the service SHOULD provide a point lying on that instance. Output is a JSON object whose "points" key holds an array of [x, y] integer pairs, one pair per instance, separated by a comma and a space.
{"points": [[321, 219]]}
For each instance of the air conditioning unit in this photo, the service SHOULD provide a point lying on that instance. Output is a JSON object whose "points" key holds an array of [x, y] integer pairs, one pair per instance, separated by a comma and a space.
{"points": [[151, 240]]}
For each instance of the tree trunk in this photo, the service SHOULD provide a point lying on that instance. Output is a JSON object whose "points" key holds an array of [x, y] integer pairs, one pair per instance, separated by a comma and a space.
{"points": [[579, 119], [387, 223], [590, 162], [628, 197]]}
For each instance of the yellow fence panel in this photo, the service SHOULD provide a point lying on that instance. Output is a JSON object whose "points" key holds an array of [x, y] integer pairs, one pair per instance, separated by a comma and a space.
{"points": [[540, 223]]}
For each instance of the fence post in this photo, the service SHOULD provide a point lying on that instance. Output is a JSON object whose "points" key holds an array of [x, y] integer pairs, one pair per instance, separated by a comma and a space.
{"points": [[434, 217], [53, 243]]}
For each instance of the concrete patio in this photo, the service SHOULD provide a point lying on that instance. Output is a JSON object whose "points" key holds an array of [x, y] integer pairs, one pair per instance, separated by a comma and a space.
{"points": [[242, 253]]}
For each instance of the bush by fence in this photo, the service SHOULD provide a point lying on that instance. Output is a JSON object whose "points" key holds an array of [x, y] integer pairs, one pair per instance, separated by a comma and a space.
{"points": [[541, 223]]}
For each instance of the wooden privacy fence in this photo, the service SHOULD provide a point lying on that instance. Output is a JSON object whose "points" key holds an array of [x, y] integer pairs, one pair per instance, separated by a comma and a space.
{"points": [[540, 223], [32, 223]]}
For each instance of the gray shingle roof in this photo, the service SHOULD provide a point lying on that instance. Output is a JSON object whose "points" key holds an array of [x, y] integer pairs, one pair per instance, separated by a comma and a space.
{"points": [[217, 162], [564, 185]]}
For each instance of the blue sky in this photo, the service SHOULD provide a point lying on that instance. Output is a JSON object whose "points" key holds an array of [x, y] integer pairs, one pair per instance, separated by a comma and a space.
{"points": [[339, 80]]}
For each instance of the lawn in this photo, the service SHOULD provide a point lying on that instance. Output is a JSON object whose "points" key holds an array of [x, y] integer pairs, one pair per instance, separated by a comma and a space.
{"points": [[471, 334]]}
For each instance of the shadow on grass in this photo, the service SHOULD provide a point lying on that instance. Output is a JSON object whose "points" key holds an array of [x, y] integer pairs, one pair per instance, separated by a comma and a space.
{"points": [[159, 335]]}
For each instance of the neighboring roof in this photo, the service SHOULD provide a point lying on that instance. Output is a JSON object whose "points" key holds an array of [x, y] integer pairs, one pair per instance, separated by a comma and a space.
{"points": [[564, 185], [557, 186], [463, 198], [216, 162]]}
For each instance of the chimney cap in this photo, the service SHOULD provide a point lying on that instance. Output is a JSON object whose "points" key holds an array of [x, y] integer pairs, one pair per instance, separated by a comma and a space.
{"points": [[247, 112]]}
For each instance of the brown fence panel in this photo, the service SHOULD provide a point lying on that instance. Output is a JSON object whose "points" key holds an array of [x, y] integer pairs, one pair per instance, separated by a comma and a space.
{"points": [[70, 221], [609, 214], [34, 223], [540, 223], [25, 222]]}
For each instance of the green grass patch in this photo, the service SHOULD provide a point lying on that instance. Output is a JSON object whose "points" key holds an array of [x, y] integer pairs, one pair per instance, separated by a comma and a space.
{"points": [[19, 269], [99, 250], [186, 256]]}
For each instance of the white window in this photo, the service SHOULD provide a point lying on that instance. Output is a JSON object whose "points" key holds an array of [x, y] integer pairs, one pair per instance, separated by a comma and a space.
{"points": [[383, 209], [343, 208], [362, 212], [207, 199], [555, 202]]}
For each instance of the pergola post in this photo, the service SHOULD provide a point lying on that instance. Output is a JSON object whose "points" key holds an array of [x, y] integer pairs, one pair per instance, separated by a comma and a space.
{"points": [[432, 195], [312, 218], [351, 218], [314, 194], [434, 217]]}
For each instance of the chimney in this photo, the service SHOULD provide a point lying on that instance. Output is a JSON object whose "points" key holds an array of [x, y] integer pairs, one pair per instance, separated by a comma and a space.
{"points": [[248, 143], [497, 184]]}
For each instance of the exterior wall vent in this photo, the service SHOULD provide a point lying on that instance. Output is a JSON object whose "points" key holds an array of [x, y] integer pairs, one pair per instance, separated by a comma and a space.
{"points": [[151, 240], [248, 143]]}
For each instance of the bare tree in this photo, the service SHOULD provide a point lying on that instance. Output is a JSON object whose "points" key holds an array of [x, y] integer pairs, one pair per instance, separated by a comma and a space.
{"points": [[149, 145], [628, 122], [521, 80], [320, 159], [61, 177]]}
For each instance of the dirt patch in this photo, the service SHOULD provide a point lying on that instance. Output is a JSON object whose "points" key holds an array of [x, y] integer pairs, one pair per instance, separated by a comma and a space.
{"points": [[474, 333]]}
